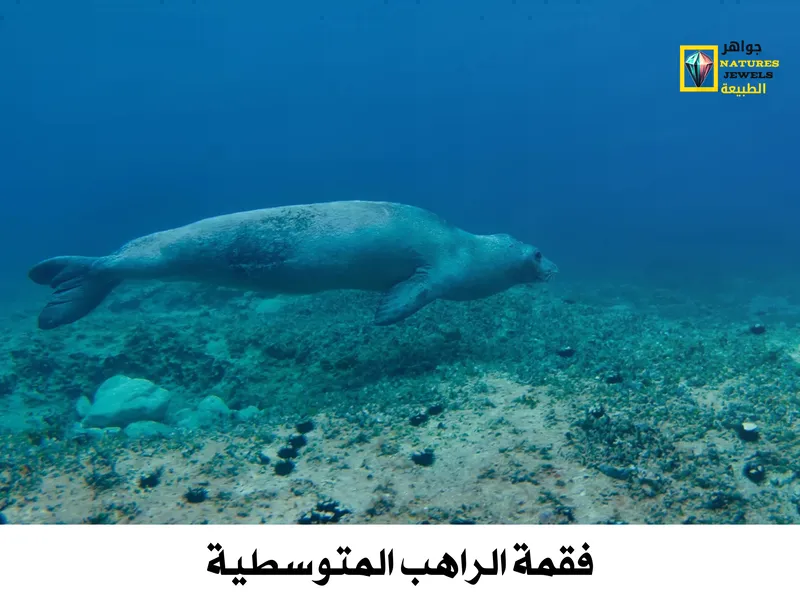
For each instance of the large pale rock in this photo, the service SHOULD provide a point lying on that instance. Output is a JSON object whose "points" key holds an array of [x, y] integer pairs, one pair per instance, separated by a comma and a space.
{"points": [[121, 401]]}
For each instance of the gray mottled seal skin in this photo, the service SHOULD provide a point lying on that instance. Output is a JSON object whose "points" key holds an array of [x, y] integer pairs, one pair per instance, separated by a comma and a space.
{"points": [[409, 254]]}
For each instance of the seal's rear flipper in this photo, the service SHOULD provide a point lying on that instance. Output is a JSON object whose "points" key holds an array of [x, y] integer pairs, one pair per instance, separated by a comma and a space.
{"points": [[79, 286], [404, 299]]}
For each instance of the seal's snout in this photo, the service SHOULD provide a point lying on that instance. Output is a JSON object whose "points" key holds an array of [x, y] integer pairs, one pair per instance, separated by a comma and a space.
{"points": [[549, 269], [549, 266]]}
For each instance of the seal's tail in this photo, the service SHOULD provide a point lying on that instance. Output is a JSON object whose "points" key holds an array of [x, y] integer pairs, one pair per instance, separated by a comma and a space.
{"points": [[79, 285]]}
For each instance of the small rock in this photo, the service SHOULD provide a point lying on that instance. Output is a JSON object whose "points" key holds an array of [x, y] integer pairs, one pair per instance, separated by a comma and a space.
{"points": [[3, 520], [96, 433], [214, 407], [211, 411], [614, 378], [566, 352], [435, 409], [250, 413], [616, 472], [187, 419], [83, 406], [147, 429], [263, 458], [758, 329]]}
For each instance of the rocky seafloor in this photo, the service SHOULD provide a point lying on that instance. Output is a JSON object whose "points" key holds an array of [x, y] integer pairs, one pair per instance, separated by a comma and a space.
{"points": [[551, 404]]}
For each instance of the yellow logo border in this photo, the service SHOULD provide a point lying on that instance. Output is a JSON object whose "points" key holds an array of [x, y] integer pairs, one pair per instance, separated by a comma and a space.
{"points": [[715, 85]]}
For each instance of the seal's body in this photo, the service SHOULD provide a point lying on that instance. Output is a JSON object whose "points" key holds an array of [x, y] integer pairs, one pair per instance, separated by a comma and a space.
{"points": [[409, 254]]}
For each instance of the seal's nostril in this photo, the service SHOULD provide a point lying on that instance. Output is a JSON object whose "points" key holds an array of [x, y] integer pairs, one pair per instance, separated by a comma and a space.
{"points": [[538, 255]]}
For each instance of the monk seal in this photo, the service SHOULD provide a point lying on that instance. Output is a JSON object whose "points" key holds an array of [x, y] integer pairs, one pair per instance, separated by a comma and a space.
{"points": [[409, 254]]}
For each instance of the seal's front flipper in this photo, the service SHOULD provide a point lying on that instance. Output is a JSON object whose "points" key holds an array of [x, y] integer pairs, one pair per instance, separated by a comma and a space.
{"points": [[78, 284], [404, 299]]}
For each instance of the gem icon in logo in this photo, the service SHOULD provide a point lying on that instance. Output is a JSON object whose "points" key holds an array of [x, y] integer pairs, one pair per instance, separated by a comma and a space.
{"points": [[701, 64]]}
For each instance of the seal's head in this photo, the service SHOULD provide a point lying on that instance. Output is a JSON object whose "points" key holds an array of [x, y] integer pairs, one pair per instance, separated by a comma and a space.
{"points": [[535, 266], [527, 261]]}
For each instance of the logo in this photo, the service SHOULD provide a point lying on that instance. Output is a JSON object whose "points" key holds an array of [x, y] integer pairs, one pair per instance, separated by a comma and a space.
{"points": [[701, 64], [702, 68]]}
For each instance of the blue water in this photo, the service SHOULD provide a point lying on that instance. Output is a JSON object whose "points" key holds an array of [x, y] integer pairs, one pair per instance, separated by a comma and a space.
{"points": [[672, 217], [558, 122]]}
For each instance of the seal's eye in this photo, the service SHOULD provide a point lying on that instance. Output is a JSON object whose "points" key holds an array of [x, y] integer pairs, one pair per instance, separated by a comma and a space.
{"points": [[538, 256]]}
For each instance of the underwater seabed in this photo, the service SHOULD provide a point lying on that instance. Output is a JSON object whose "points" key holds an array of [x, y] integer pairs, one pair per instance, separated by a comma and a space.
{"points": [[552, 404]]}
